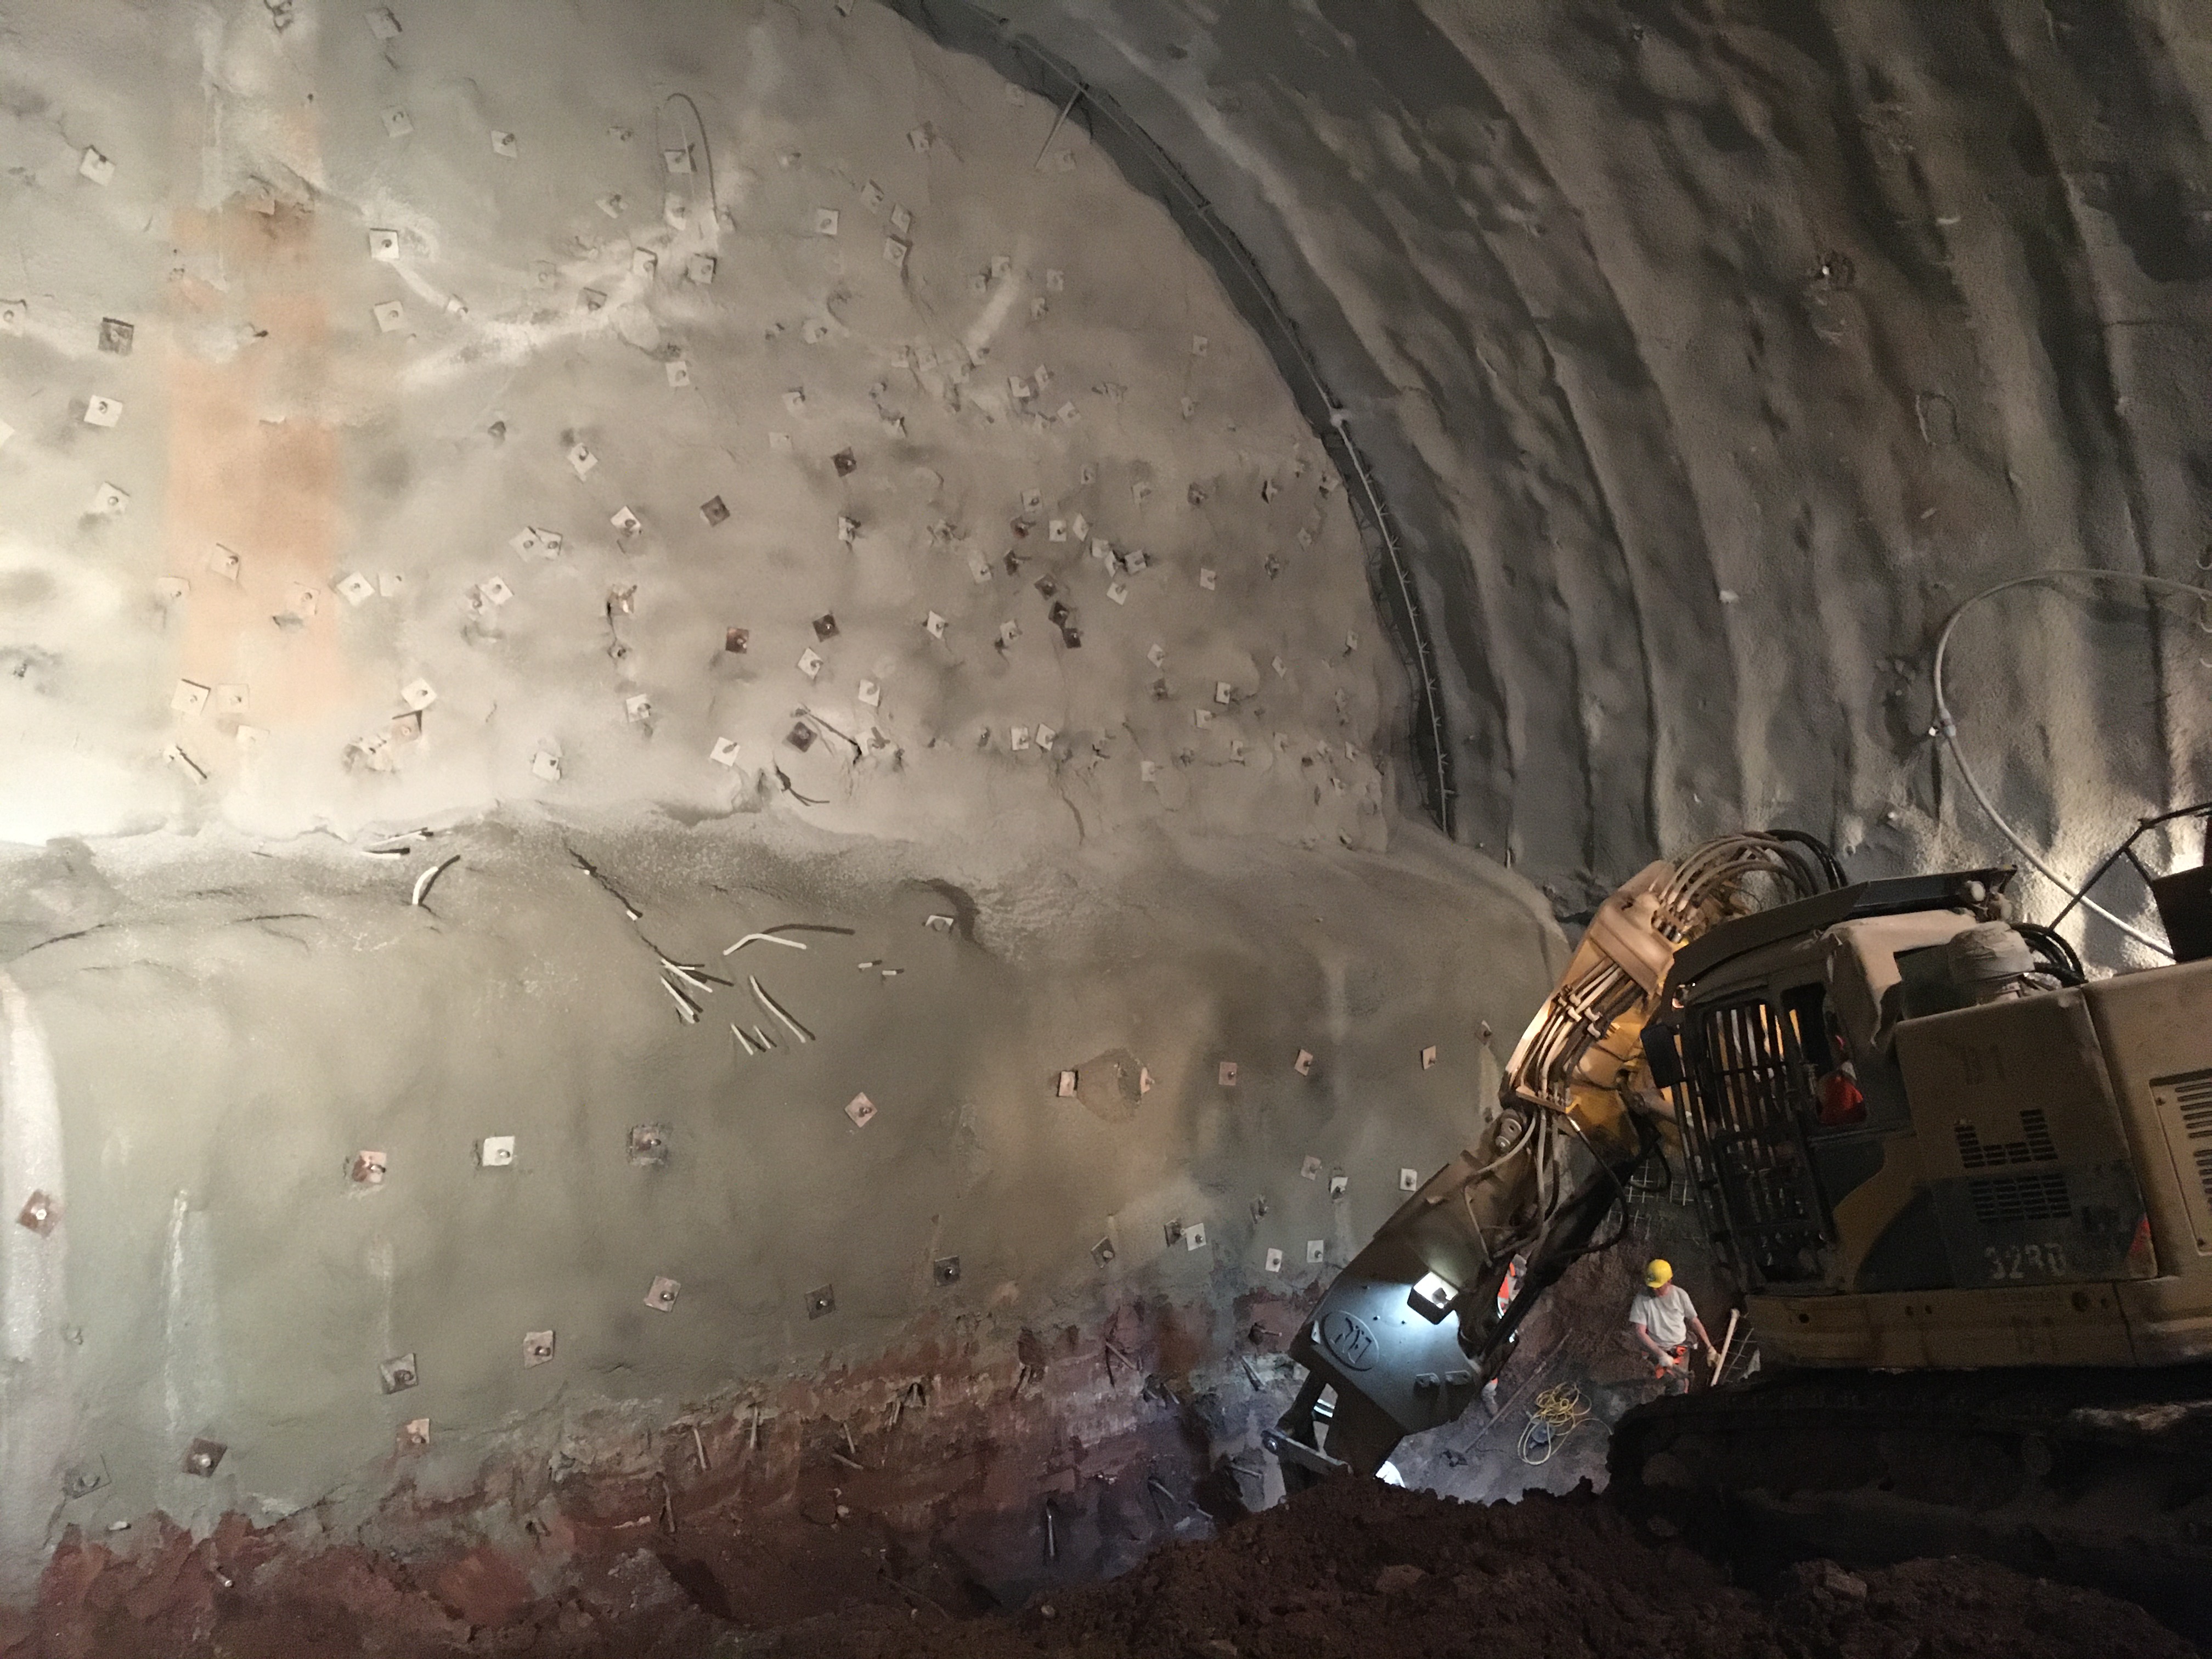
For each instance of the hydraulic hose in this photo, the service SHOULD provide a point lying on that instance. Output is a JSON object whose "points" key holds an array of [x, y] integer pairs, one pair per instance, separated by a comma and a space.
{"points": [[2057, 952]]}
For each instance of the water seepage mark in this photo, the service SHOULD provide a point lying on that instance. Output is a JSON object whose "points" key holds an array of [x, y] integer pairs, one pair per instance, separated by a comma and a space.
{"points": [[192, 1379], [37, 1419]]}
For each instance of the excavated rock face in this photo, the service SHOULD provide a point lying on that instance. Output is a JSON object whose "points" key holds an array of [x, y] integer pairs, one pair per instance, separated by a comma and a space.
{"points": [[697, 414]]}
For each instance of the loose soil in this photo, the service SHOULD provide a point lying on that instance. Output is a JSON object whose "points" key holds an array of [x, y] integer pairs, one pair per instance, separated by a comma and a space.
{"points": [[1352, 1568], [1359, 1568]]}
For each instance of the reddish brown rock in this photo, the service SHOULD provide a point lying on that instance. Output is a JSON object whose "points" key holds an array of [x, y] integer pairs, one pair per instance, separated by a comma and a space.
{"points": [[483, 1588]]}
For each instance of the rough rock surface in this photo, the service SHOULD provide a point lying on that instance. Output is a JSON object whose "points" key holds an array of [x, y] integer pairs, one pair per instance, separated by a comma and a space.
{"points": [[1353, 1569], [339, 349], [1359, 1568], [219, 1273]]}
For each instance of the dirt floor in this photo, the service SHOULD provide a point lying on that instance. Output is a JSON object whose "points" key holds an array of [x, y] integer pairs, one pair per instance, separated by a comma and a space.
{"points": [[1360, 1568], [1355, 1567]]}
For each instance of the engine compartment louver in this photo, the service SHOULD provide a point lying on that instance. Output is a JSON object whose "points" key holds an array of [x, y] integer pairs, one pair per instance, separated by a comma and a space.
{"points": [[2186, 1097], [2001, 1198], [2034, 1145]]}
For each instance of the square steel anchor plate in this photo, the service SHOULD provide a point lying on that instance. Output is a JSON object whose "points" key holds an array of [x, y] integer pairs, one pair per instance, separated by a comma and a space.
{"points": [[398, 1373], [649, 1144], [821, 1301], [41, 1213], [537, 1348]]}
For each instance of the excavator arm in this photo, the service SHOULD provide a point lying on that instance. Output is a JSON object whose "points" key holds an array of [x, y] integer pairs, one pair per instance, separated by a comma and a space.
{"points": [[1413, 1326]]}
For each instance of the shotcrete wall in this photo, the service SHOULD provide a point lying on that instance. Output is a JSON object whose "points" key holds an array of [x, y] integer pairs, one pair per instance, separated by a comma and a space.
{"points": [[784, 464], [1708, 354], [502, 505], [1028, 1287]]}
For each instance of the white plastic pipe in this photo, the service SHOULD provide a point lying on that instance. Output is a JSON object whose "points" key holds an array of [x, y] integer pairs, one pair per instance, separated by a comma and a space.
{"points": [[1947, 727]]}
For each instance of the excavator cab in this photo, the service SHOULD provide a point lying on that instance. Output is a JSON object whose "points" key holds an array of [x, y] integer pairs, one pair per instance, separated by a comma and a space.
{"points": [[1965, 1194], [1919, 1139], [1982, 1295]]}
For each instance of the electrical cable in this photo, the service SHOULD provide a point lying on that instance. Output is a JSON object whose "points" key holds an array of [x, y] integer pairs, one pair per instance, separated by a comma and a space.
{"points": [[1286, 343], [1947, 726], [1620, 1184], [706, 148], [1466, 1193], [1666, 1168], [1557, 1412]]}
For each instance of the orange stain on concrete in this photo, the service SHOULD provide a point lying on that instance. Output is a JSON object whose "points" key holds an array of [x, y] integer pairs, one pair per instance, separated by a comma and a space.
{"points": [[249, 472]]}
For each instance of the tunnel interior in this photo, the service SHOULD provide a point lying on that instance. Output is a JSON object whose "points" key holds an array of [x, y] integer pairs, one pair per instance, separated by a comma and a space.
{"points": [[770, 764]]}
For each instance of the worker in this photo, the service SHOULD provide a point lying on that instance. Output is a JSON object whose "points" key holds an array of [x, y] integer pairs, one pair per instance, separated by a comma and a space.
{"points": [[1664, 1319], [1508, 1288], [1843, 1103]]}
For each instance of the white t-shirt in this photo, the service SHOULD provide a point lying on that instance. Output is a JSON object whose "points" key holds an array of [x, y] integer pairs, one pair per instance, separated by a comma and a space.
{"points": [[1666, 1313]]}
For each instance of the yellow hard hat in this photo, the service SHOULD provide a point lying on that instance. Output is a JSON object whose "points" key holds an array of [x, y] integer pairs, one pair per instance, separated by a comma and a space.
{"points": [[1658, 1272]]}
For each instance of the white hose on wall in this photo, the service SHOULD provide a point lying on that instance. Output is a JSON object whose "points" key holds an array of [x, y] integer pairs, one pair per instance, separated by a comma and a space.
{"points": [[1947, 727]]}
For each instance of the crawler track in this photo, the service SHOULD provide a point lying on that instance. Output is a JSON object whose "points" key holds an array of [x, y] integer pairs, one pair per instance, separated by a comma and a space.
{"points": [[2094, 1477]]}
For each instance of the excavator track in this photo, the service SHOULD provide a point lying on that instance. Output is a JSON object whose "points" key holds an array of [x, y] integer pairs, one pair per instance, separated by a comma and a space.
{"points": [[2094, 1477]]}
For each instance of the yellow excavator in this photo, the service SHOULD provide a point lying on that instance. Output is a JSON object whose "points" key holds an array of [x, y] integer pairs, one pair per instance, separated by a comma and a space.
{"points": [[1963, 1191]]}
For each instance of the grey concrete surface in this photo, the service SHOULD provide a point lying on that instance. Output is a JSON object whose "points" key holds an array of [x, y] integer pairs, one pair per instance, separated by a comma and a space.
{"points": [[1043, 411], [1706, 356], [219, 1064], [1710, 356]]}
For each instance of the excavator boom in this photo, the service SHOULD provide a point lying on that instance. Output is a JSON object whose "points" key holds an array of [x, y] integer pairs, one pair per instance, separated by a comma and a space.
{"points": [[1414, 1326]]}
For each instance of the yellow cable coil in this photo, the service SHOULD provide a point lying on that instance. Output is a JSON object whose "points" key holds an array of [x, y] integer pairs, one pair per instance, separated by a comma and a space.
{"points": [[1559, 1411]]}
